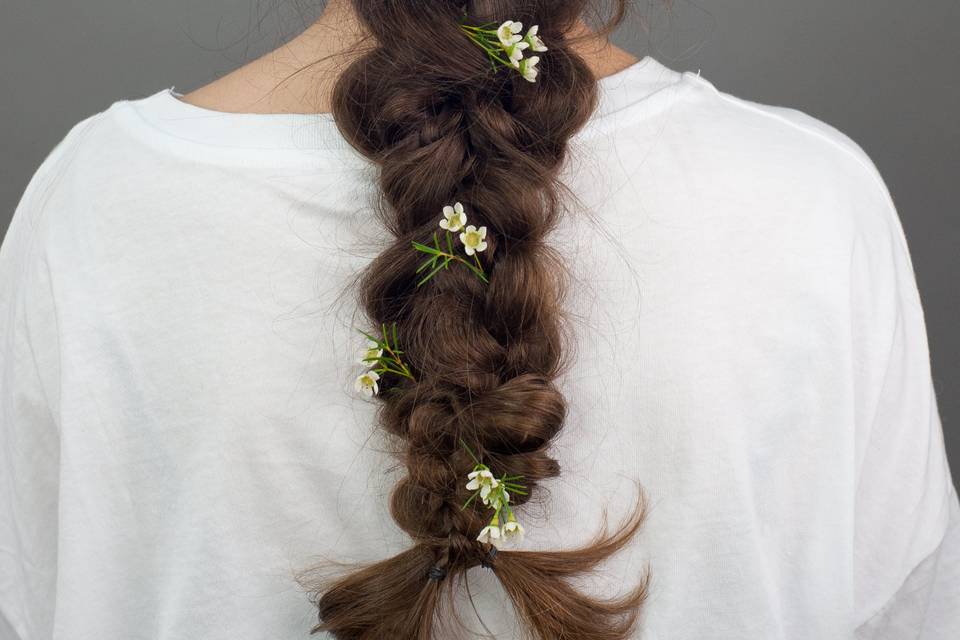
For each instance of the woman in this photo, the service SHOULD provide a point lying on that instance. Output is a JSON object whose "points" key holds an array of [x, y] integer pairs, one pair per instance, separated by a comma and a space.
{"points": [[630, 357]]}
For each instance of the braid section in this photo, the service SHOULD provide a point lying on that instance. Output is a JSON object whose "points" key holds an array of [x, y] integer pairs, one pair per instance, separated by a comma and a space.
{"points": [[443, 127]]}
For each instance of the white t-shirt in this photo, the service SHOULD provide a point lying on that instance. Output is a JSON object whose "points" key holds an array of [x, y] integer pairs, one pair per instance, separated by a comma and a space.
{"points": [[179, 435]]}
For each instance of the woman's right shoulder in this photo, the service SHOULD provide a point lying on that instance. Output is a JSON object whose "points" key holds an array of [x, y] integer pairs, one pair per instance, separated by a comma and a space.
{"points": [[62, 154], [95, 160], [84, 148], [53, 171]]}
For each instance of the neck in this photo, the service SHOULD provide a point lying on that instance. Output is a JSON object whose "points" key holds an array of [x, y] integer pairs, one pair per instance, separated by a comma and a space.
{"points": [[298, 77], [340, 19]]}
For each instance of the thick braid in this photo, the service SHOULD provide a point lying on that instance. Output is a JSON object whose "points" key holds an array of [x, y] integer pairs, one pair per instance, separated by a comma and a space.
{"points": [[444, 127]]}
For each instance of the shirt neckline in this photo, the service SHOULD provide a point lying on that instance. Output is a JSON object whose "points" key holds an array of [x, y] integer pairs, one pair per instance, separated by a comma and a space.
{"points": [[277, 137]]}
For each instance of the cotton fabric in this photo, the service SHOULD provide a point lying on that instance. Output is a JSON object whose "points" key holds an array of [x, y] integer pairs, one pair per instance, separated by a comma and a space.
{"points": [[180, 437]]}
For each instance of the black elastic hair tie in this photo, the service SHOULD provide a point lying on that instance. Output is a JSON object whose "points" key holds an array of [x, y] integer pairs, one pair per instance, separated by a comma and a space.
{"points": [[437, 573], [487, 560]]}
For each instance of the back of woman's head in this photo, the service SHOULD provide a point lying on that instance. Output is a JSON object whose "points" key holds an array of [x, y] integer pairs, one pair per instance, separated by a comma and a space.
{"points": [[482, 339]]}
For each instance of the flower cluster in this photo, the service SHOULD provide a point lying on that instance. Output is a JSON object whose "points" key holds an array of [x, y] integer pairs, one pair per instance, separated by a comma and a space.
{"points": [[505, 45], [473, 241], [381, 355], [493, 492]]}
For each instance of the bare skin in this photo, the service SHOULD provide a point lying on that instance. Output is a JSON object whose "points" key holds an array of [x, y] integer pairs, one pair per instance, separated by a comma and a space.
{"points": [[298, 77]]}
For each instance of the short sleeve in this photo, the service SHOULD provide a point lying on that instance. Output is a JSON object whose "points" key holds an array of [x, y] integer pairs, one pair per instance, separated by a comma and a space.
{"points": [[906, 544], [29, 425]]}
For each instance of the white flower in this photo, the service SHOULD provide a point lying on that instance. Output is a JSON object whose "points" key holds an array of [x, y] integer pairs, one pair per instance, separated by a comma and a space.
{"points": [[515, 53], [512, 532], [478, 477], [490, 534], [533, 40], [497, 499], [508, 32], [453, 217], [370, 353], [473, 238], [366, 383], [483, 480], [528, 67]]}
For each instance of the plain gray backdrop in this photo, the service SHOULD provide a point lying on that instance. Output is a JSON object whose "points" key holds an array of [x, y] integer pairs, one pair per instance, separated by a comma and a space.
{"points": [[885, 72]]}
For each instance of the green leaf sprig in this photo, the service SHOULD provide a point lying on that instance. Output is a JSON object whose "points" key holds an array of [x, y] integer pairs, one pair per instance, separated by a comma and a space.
{"points": [[495, 494], [441, 259], [383, 353], [472, 239], [504, 45]]}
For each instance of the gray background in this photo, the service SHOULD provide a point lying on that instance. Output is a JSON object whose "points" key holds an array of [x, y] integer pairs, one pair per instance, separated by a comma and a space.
{"points": [[885, 72]]}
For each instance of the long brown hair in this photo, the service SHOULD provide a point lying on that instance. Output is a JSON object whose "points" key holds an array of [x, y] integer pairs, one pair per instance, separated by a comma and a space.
{"points": [[442, 126]]}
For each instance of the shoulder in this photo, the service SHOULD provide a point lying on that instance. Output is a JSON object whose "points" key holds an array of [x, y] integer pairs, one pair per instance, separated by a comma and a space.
{"points": [[97, 155], [787, 154], [96, 136], [784, 132], [83, 172], [810, 132], [86, 145], [30, 215], [816, 185], [757, 124], [60, 157]]}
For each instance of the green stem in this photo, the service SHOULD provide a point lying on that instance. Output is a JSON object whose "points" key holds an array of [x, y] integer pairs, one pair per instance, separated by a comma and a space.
{"points": [[493, 47], [469, 452], [480, 29], [472, 498], [387, 369], [396, 358], [478, 271], [403, 369], [449, 257], [432, 273]]}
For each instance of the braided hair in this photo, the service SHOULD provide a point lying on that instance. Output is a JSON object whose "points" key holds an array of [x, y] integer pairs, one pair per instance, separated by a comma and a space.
{"points": [[441, 126]]}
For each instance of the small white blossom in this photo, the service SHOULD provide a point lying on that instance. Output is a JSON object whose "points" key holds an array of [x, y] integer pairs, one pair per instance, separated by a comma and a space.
{"points": [[366, 383], [509, 31], [511, 532], [533, 40], [473, 238], [497, 498], [490, 534], [483, 480], [515, 53], [371, 353], [453, 217], [528, 68], [479, 477]]}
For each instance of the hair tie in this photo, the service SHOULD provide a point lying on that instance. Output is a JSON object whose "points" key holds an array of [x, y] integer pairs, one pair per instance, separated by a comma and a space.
{"points": [[437, 573], [487, 560]]}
